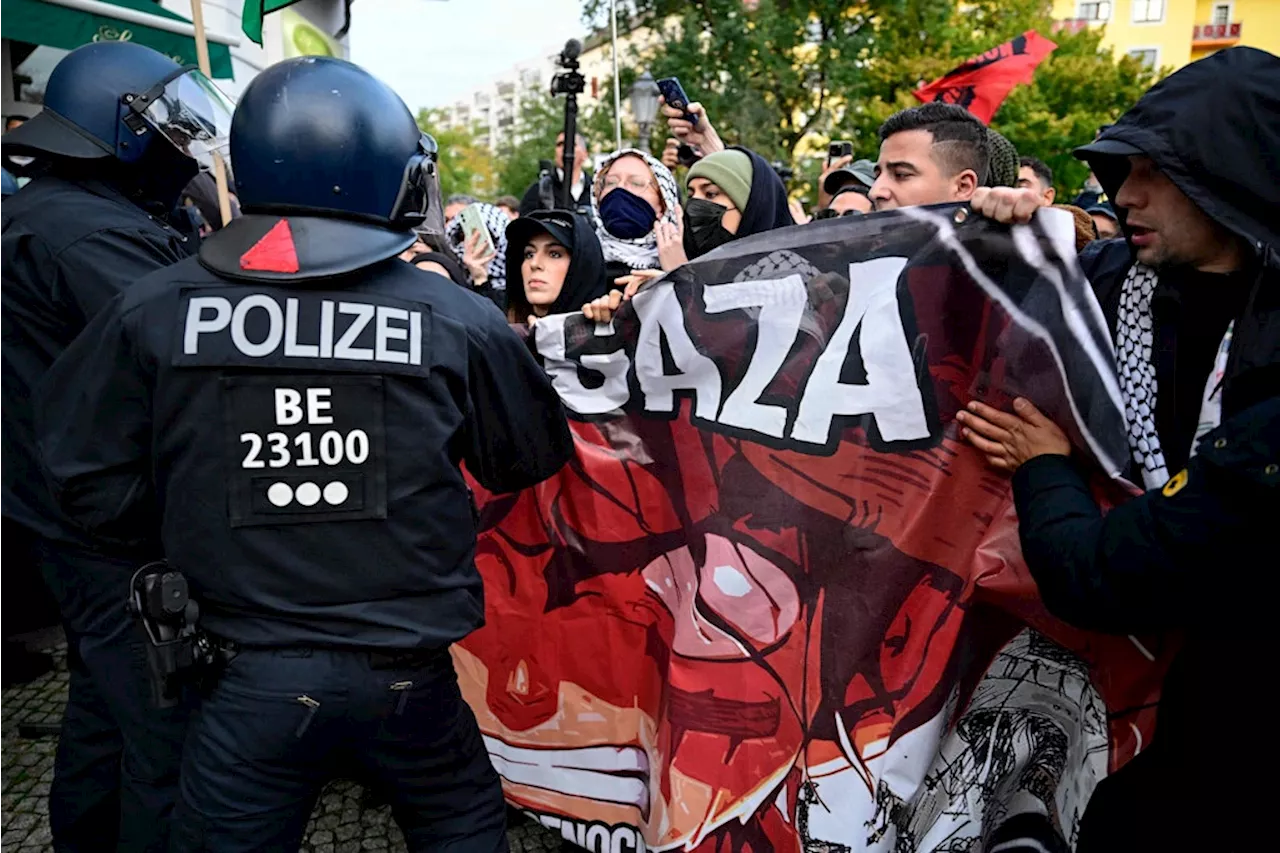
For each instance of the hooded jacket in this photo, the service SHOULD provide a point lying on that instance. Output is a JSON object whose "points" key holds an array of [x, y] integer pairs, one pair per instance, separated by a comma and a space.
{"points": [[585, 279], [1214, 129], [1189, 556]]}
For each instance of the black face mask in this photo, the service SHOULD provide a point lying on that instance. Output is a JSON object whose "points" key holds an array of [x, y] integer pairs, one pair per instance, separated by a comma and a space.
{"points": [[702, 229]]}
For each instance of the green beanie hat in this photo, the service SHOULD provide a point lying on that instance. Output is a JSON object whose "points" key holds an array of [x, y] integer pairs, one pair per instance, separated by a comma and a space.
{"points": [[729, 170]]}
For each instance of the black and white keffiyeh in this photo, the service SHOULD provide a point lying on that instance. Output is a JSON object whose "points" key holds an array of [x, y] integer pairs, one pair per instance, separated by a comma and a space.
{"points": [[640, 253], [1135, 336], [496, 220]]}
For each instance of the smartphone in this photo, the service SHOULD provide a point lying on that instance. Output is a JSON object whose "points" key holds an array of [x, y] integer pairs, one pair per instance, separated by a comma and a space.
{"points": [[839, 148], [472, 222], [673, 94]]}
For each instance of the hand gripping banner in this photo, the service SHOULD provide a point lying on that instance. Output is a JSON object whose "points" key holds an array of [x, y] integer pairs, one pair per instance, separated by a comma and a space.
{"points": [[775, 603]]}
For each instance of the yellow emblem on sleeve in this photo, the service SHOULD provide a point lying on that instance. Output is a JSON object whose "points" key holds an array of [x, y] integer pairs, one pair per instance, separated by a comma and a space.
{"points": [[1175, 484]]}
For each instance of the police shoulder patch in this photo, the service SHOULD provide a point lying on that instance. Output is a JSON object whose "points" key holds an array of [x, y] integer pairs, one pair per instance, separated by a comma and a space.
{"points": [[1176, 483]]}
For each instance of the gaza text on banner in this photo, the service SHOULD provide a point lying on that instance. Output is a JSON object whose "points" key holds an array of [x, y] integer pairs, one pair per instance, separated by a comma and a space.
{"points": [[775, 602]]}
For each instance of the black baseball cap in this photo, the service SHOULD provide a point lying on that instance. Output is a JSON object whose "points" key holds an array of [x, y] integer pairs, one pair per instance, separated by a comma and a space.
{"points": [[557, 223]]}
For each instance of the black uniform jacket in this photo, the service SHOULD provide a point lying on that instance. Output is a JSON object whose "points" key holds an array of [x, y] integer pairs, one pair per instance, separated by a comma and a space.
{"points": [[69, 246], [300, 442]]}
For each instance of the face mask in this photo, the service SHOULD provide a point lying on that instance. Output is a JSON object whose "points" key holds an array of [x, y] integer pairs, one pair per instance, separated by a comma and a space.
{"points": [[702, 229], [626, 215]]}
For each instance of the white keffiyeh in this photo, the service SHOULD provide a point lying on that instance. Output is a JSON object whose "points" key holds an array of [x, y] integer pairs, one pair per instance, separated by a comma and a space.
{"points": [[1135, 336], [496, 220], [640, 253]]}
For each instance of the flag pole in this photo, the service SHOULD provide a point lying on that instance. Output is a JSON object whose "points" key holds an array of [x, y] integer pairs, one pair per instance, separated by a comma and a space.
{"points": [[202, 59], [617, 92]]}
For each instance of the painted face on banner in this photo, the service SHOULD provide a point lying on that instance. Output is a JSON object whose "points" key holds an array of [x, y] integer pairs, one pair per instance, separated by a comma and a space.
{"points": [[699, 635]]}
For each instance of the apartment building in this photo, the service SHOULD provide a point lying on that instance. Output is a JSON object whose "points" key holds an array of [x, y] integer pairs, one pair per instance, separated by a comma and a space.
{"points": [[1171, 33]]}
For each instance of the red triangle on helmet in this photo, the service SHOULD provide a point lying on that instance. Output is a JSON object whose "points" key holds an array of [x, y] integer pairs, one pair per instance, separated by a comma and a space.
{"points": [[275, 252]]}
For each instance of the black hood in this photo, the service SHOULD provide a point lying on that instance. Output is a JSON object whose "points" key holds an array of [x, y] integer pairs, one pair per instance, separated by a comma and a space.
{"points": [[585, 280], [1213, 128], [767, 204]]}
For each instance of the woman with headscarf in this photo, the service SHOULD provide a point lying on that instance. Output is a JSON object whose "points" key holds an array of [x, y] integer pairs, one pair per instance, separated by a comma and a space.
{"points": [[555, 265], [488, 272], [732, 193], [635, 197]]}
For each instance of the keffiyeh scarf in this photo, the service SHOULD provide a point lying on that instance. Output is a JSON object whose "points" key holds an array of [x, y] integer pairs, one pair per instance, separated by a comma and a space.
{"points": [[1135, 335], [640, 253], [496, 220]]}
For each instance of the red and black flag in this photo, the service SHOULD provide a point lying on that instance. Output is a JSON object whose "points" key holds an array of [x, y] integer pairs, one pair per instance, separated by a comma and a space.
{"points": [[981, 84]]}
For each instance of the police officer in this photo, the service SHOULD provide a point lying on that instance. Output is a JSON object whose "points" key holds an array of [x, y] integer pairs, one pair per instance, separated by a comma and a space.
{"points": [[297, 401], [91, 224]]}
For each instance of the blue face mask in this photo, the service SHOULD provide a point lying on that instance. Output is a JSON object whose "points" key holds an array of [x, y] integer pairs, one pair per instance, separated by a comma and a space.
{"points": [[626, 215]]}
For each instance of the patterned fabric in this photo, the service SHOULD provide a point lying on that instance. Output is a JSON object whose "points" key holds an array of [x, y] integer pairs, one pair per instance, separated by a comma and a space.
{"points": [[1134, 339], [496, 220], [640, 253]]}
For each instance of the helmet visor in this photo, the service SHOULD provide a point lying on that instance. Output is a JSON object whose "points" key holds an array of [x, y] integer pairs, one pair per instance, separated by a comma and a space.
{"points": [[192, 113], [419, 203]]}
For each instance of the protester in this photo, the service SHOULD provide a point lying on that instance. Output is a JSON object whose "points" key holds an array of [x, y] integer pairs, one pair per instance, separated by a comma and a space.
{"points": [[1086, 231], [849, 201], [88, 228], [487, 270], [1189, 293], [732, 194], [636, 213], [202, 194], [555, 263], [1105, 221], [545, 193], [930, 154], [442, 264], [1036, 175], [453, 205], [333, 577], [1092, 193], [509, 204], [841, 173], [1002, 169]]}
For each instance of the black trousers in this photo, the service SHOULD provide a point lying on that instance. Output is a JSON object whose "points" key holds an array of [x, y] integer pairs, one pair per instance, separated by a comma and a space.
{"points": [[279, 724], [116, 770]]}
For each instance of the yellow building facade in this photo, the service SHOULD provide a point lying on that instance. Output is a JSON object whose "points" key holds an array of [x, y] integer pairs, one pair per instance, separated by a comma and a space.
{"points": [[1171, 33]]}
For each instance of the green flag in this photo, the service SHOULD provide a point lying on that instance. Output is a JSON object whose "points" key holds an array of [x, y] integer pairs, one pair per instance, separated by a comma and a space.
{"points": [[254, 10]]}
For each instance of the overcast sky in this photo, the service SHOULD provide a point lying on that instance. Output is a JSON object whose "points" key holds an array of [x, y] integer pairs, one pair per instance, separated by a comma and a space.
{"points": [[433, 51]]}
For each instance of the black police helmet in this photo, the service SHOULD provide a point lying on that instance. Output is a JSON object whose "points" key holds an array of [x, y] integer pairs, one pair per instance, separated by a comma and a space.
{"points": [[86, 107], [317, 136]]}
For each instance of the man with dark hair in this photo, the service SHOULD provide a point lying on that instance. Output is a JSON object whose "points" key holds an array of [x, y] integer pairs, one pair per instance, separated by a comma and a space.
{"points": [[1190, 293], [930, 154], [1035, 174], [544, 193]]}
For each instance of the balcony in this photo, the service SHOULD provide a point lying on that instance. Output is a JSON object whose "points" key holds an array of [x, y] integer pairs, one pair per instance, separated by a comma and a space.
{"points": [[1215, 35]]}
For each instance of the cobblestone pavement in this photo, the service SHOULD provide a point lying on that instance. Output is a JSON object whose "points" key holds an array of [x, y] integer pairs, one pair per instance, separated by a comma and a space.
{"points": [[345, 821]]}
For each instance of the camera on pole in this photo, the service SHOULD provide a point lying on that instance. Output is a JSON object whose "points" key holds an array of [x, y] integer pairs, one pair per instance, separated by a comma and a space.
{"points": [[569, 83]]}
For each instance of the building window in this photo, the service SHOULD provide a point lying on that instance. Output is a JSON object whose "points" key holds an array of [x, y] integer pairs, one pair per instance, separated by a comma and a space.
{"points": [[1221, 14], [1094, 10], [1148, 56], [1148, 11]]}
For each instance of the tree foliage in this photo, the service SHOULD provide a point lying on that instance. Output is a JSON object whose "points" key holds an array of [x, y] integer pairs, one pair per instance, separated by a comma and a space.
{"points": [[786, 76], [539, 119], [466, 165]]}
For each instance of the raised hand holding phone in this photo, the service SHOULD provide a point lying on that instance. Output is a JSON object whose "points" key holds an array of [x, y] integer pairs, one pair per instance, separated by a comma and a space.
{"points": [[687, 119]]}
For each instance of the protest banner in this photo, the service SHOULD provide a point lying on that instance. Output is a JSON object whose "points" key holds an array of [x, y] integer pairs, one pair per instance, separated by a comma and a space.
{"points": [[776, 603]]}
